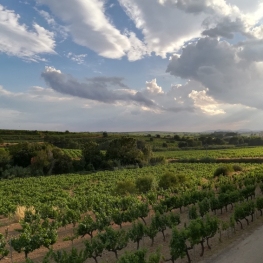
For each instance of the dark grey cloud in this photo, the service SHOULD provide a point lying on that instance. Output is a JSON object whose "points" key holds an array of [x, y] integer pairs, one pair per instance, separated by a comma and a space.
{"points": [[225, 28], [251, 50], [194, 6], [106, 81], [97, 89], [219, 66], [111, 90]]}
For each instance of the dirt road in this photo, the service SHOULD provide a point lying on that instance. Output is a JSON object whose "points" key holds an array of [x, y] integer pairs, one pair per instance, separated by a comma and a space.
{"points": [[248, 250]]}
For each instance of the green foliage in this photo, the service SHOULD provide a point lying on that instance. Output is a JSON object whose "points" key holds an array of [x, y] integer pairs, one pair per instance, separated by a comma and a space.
{"points": [[259, 204], [144, 183], [178, 246], [4, 158], [94, 248], [87, 226], [16, 172], [139, 256], [243, 210], [157, 160], [92, 155], [125, 187], [63, 256], [192, 213], [223, 170], [204, 206], [168, 180], [237, 168], [114, 240], [34, 235], [137, 232], [3, 250], [128, 151]]}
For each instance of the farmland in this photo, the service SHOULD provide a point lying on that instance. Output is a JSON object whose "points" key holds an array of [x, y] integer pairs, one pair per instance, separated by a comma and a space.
{"points": [[251, 152], [120, 212], [74, 196]]}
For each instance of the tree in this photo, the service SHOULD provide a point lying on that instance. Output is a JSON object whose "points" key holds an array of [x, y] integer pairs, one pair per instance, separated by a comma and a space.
{"points": [[22, 153], [34, 235], [137, 232], [87, 226], [151, 231], [125, 150], [92, 155], [204, 207], [94, 248], [4, 158], [62, 165], [114, 240], [178, 247]]}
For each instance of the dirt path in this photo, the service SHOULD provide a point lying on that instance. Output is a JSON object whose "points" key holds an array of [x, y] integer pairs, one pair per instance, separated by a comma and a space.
{"points": [[246, 249]]}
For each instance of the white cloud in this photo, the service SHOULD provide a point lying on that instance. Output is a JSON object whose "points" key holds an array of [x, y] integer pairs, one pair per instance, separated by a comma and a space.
{"points": [[89, 26], [18, 40], [45, 109], [206, 103], [60, 30], [138, 49], [79, 59], [165, 29], [153, 87]]}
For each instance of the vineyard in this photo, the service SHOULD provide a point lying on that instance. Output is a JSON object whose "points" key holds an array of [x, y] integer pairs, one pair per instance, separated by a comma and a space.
{"points": [[251, 152], [72, 153], [117, 216]]}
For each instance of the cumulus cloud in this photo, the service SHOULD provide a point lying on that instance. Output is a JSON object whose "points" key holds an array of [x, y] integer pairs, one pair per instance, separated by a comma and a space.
{"points": [[112, 90], [159, 21], [18, 40], [206, 103], [159, 24], [223, 69], [153, 87]]}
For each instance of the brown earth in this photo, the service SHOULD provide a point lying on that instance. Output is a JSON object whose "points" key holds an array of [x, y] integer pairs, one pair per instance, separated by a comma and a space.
{"points": [[219, 249]]}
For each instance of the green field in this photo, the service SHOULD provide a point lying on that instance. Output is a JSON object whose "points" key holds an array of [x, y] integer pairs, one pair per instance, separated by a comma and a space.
{"points": [[224, 153]]}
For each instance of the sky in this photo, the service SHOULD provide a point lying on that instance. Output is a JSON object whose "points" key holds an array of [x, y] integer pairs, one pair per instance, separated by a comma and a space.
{"points": [[131, 65]]}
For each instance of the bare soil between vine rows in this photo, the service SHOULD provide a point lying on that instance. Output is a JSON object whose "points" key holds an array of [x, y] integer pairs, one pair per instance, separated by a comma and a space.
{"points": [[221, 252]]}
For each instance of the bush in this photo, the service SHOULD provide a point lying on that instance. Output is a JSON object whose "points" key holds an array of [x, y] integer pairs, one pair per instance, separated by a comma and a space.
{"points": [[168, 180], [237, 168], [157, 160], [223, 170], [125, 187], [16, 171], [144, 183]]}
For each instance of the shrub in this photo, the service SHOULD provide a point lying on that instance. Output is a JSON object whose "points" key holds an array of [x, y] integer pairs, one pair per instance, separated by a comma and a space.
{"points": [[157, 160], [168, 180], [237, 168], [223, 170], [125, 187], [144, 183]]}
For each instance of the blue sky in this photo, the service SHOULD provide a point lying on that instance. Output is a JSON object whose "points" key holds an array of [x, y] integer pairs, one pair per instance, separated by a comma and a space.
{"points": [[131, 65]]}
